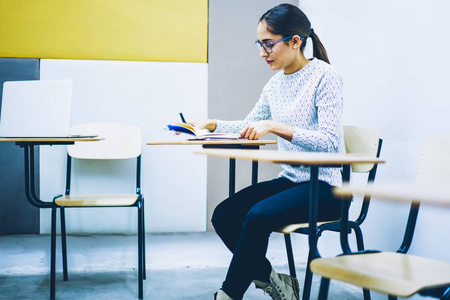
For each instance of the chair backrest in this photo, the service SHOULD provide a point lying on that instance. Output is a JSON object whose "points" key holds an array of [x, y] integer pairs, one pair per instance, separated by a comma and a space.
{"points": [[364, 141], [433, 169], [121, 141], [434, 162]]}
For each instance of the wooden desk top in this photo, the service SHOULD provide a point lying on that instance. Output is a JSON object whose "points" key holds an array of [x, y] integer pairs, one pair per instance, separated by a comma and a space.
{"points": [[47, 140], [400, 192], [216, 142], [291, 157]]}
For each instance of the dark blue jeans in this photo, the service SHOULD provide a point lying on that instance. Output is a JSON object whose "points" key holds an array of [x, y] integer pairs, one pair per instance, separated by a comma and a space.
{"points": [[245, 221]]}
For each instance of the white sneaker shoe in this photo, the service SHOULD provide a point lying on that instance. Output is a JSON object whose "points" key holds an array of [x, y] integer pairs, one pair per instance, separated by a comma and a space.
{"points": [[281, 287], [221, 295]]}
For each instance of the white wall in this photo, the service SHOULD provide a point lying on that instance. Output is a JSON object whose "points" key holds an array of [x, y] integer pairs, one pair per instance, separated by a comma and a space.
{"points": [[392, 56], [150, 95]]}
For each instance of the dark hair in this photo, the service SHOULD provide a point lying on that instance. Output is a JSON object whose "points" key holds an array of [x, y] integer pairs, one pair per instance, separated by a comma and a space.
{"points": [[287, 19]]}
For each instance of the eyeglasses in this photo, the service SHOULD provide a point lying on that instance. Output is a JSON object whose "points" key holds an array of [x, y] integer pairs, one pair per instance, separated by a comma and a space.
{"points": [[268, 45]]}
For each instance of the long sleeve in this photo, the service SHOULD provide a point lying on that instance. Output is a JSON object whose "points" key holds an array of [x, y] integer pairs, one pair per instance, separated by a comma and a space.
{"points": [[261, 111]]}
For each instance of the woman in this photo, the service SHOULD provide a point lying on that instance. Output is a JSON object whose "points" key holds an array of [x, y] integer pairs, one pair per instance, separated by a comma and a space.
{"points": [[302, 105]]}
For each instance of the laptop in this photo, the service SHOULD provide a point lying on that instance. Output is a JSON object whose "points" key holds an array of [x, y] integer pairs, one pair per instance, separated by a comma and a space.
{"points": [[36, 109]]}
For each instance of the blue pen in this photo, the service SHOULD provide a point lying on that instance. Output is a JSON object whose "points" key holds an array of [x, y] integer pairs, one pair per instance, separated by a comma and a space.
{"points": [[182, 118]]}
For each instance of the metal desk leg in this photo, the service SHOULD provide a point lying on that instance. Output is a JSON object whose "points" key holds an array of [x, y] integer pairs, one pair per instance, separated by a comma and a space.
{"points": [[30, 187], [254, 172], [313, 253], [232, 176], [232, 180]]}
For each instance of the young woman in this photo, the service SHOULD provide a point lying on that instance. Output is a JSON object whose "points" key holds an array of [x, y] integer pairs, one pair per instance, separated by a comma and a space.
{"points": [[302, 105]]}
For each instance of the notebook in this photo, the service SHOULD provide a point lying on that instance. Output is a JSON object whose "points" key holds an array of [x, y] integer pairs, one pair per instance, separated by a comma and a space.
{"points": [[36, 109]]}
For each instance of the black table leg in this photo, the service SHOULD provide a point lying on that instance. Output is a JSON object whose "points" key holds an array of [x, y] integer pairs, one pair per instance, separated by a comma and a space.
{"points": [[313, 204], [232, 183], [254, 172], [30, 180]]}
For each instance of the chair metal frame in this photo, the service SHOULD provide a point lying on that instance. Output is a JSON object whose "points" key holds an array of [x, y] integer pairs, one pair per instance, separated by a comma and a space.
{"points": [[139, 204], [336, 227]]}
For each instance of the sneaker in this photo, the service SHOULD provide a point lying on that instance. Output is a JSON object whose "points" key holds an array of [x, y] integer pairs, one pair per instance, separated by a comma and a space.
{"points": [[221, 295], [281, 287]]}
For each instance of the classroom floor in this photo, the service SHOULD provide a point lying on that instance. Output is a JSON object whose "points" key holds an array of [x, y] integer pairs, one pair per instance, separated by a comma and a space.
{"points": [[187, 266]]}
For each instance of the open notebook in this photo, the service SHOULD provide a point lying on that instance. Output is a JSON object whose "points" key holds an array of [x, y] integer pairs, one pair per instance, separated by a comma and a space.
{"points": [[37, 109]]}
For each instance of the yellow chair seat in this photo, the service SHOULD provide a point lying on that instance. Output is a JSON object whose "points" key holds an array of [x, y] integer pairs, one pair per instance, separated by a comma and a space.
{"points": [[389, 273], [293, 227], [97, 200]]}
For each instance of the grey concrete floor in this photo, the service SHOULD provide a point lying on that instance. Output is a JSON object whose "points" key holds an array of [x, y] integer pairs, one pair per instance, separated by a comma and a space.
{"points": [[179, 266]]}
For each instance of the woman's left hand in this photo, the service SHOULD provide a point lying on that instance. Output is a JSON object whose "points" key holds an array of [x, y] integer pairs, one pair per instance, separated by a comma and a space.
{"points": [[255, 130]]}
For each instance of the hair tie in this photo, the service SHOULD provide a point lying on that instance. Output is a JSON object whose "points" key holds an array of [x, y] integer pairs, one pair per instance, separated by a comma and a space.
{"points": [[311, 32]]}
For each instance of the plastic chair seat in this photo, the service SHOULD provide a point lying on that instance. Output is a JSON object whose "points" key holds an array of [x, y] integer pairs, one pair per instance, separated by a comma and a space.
{"points": [[97, 200], [389, 273], [293, 227]]}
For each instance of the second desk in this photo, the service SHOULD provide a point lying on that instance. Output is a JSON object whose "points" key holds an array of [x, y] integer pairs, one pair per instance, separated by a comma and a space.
{"points": [[314, 161]]}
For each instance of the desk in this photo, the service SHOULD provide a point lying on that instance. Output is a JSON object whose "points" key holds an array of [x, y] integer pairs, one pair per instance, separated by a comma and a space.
{"points": [[314, 161], [230, 144], [29, 144], [401, 192]]}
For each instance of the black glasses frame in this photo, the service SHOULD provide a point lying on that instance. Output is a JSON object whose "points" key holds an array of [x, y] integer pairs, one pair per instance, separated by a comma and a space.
{"points": [[267, 46]]}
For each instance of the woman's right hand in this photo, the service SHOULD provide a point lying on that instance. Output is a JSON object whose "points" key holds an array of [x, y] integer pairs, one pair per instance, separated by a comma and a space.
{"points": [[209, 124]]}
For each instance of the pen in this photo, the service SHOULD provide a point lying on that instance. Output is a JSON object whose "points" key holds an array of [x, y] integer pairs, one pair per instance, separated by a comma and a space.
{"points": [[182, 118]]}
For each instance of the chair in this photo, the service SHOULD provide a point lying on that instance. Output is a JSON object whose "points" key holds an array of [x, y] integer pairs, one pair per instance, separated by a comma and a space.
{"points": [[121, 141], [398, 274], [358, 140]]}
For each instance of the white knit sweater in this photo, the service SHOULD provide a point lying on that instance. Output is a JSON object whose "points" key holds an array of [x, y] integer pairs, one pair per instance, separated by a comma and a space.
{"points": [[311, 101]]}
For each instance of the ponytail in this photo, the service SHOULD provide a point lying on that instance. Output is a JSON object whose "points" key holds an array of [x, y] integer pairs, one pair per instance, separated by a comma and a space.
{"points": [[318, 48]]}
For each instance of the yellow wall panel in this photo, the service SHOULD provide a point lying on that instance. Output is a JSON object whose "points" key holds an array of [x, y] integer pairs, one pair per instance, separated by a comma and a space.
{"points": [[143, 30]]}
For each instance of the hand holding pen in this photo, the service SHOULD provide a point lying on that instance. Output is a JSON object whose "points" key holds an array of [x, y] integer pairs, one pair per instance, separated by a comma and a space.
{"points": [[202, 124]]}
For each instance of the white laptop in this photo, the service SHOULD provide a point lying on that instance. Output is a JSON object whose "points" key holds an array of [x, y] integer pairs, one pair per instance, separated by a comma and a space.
{"points": [[36, 108]]}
